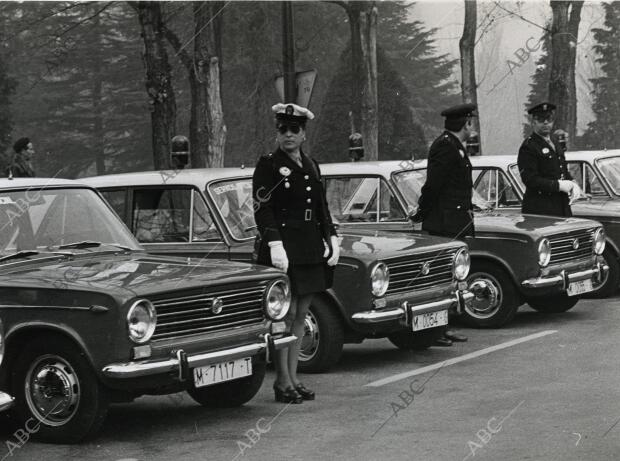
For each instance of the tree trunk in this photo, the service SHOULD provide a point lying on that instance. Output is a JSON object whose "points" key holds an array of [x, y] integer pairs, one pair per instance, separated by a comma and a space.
{"points": [[158, 81], [562, 88], [98, 133], [469, 87], [365, 102]]}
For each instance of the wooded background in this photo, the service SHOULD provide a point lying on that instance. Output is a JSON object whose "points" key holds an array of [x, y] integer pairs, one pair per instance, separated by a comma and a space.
{"points": [[102, 87]]}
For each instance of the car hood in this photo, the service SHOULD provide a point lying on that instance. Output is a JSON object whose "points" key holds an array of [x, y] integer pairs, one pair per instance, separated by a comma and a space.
{"points": [[370, 245], [597, 207], [500, 223], [129, 275]]}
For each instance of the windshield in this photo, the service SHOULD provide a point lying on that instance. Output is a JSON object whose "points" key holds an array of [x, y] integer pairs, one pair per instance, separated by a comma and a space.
{"points": [[410, 185], [233, 200], [610, 168], [42, 220]]}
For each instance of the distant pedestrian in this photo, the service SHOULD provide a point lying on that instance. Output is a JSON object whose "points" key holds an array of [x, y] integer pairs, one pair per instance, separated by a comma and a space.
{"points": [[445, 206], [548, 183], [21, 165]]}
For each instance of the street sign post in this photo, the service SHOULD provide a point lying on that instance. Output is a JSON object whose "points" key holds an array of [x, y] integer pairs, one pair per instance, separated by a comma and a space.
{"points": [[304, 81]]}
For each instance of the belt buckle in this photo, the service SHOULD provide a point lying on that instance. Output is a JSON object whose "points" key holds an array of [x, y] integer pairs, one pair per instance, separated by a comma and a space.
{"points": [[308, 215]]}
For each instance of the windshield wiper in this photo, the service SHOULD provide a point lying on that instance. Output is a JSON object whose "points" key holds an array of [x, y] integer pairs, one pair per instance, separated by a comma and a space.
{"points": [[25, 253], [90, 244]]}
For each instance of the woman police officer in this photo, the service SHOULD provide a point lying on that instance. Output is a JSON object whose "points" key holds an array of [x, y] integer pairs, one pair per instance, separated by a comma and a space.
{"points": [[296, 233]]}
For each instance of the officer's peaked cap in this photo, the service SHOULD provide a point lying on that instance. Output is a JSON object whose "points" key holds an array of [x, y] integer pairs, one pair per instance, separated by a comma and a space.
{"points": [[460, 111], [541, 108], [291, 113]]}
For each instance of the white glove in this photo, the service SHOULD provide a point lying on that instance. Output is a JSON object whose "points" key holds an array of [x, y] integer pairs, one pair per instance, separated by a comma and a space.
{"points": [[566, 186], [335, 252], [278, 255], [576, 194]]}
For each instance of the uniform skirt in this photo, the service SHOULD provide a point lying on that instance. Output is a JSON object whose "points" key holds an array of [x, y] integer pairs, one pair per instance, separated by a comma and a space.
{"points": [[310, 278]]}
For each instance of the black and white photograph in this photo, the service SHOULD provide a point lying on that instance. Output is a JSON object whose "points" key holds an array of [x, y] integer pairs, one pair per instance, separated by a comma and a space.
{"points": [[310, 230]]}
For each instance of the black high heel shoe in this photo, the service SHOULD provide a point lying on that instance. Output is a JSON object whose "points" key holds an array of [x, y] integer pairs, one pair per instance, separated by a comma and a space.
{"points": [[306, 394], [288, 395]]}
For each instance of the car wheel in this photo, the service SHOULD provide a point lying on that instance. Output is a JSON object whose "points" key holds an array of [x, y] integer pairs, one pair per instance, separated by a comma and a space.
{"points": [[611, 281], [58, 397], [231, 393], [416, 340], [496, 299], [553, 304], [321, 345]]}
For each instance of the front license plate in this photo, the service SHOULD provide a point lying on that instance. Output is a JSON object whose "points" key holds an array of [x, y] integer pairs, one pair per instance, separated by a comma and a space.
{"points": [[220, 372], [577, 288], [430, 320]]}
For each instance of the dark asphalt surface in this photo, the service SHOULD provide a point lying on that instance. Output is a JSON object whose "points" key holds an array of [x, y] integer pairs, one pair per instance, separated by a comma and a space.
{"points": [[553, 397]]}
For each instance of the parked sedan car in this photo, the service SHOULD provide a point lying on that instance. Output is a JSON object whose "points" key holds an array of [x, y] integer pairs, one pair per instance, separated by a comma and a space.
{"points": [[598, 175], [546, 262], [90, 318], [385, 284]]}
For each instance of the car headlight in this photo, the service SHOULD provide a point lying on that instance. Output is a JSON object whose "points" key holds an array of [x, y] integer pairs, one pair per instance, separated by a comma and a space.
{"points": [[462, 262], [277, 300], [379, 279], [141, 321], [1, 341], [544, 252], [598, 244]]}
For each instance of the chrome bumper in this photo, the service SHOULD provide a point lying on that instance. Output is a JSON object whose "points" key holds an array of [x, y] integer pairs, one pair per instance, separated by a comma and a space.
{"points": [[182, 361], [405, 310], [563, 278], [6, 401]]}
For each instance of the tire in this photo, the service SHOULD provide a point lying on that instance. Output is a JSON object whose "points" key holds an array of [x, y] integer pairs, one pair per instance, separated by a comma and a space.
{"points": [[61, 367], [612, 281], [554, 304], [321, 346], [231, 393], [496, 298], [416, 340]]}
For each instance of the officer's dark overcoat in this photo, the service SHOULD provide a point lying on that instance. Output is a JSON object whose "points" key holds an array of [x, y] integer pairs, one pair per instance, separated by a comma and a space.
{"points": [[290, 205], [541, 167], [445, 204]]}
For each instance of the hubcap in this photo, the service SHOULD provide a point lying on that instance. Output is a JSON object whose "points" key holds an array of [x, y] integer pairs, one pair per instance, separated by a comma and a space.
{"points": [[310, 340], [488, 296], [52, 390]]}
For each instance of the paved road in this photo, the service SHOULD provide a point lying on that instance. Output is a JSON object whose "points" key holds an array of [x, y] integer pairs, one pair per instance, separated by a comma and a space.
{"points": [[547, 388]]}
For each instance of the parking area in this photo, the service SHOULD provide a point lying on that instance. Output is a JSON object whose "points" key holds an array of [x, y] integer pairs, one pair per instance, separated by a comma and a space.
{"points": [[544, 388]]}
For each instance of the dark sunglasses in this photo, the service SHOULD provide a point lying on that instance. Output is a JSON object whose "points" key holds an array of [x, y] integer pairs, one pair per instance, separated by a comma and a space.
{"points": [[282, 129], [544, 118]]}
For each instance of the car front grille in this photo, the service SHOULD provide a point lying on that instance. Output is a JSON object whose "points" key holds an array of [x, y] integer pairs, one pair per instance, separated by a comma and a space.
{"points": [[563, 246], [406, 273], [184, 314]]}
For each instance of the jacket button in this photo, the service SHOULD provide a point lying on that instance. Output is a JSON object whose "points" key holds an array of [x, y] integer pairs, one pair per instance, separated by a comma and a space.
{"points": [[283, 224], [308, 188], [306, 177], [309, 200]]}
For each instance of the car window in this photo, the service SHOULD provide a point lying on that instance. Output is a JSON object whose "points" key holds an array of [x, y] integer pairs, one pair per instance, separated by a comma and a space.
{"points": [[161, 215], [362, 199], [204, 228], [495, 188], [116, 199], [584, 175], [514, 172], [610, 169], [233, 200]]}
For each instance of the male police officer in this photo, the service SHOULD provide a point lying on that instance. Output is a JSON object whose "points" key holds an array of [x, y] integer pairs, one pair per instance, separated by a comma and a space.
{"points": [[548, 184], [445, 206]]}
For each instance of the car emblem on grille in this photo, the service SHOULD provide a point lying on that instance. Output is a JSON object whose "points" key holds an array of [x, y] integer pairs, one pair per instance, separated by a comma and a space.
{"points": [[575, 244], [426, 268], [217, 305]]}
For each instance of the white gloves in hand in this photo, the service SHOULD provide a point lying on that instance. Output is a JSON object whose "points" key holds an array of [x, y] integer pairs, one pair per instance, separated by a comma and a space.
{"points": [[333, 260], [278, 255], [566, 186], [576, 194]]}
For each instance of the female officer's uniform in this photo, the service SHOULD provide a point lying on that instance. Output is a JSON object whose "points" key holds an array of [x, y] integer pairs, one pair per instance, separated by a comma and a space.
{"points": [[290, 206]]}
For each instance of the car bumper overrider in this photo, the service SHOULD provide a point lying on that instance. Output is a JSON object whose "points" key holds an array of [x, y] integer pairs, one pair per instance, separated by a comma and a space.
{"points": [[182, 362], [6, 401], [407, 310], [564, 278]]}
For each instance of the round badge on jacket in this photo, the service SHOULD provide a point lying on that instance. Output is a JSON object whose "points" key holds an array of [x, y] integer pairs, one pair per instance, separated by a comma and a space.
{"points": [[284, 171], [545, 150]]}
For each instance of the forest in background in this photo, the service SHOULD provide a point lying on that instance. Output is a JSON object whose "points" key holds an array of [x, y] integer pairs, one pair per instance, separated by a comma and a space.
{"points": [[72, 78]]}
